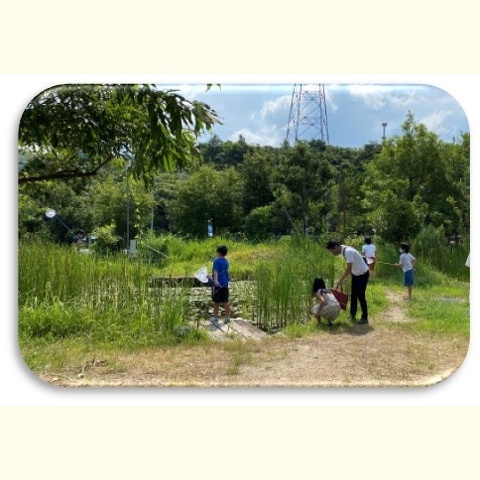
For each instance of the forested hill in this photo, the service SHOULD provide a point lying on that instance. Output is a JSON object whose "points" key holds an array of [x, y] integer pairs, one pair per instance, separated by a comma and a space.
{"points": [[393, 189]]}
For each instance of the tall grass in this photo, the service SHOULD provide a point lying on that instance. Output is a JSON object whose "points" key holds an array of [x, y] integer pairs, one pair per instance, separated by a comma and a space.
{"points": [[436, 262], [283, 283], [432, 250], [48, 273], [65, 293]]}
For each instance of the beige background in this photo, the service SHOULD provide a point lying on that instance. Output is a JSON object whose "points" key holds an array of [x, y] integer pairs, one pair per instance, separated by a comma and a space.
{"points": [[50, 433]]}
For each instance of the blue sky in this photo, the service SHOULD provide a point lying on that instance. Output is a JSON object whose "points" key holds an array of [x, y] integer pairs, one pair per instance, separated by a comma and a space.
{"points": [[355, 112]]}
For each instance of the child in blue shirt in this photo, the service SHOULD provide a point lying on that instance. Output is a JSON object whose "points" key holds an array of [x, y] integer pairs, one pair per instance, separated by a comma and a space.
{"points": [[220, 279]]}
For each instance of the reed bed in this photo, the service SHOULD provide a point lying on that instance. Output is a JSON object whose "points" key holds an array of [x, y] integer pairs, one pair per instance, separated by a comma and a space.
{"points": [[64, 293], [283, 283]]}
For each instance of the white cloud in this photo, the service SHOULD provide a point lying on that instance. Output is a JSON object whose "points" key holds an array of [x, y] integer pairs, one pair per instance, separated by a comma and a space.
{"points": [[408, 99], [272, 106], [282, 103], [435, 121], [331, 105], [372, 95], [378, 97], [270, 135]]}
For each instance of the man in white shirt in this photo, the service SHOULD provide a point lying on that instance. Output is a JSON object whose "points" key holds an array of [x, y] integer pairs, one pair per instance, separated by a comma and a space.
{"points": [[359, 273]]}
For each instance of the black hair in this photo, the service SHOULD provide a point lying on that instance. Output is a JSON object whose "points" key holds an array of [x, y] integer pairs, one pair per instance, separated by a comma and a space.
{"points": [[332, 244], [368, 240], [318, 284], [222, 250], [405, 246]]}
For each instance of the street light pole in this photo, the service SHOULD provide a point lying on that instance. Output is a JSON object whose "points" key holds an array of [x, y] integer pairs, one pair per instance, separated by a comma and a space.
{"points": [[128, 213], [51, 213], [384, 125]]}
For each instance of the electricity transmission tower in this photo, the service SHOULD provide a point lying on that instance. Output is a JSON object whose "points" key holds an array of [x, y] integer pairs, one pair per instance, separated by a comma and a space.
{"points": [[308, 114]]}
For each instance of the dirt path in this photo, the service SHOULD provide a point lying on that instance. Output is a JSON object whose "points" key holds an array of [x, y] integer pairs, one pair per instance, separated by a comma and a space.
{"points": [[379, 354]]}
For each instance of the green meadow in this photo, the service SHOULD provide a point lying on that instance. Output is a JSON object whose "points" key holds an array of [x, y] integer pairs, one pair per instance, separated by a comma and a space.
{"points": [[71, 302]]}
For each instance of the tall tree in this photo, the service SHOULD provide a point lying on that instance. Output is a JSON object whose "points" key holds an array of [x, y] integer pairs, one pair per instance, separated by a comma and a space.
{"points": [[106, 201], [407, 185], [302, 180], [256, 171], [207, 194]]}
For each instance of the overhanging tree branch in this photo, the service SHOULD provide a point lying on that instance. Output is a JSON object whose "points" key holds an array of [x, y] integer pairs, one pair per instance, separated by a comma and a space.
{"points": [[92, 121], [63, 175]]}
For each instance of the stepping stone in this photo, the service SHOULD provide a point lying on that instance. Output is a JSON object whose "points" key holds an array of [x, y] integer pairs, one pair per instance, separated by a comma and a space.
{"points": [[237, 328]]}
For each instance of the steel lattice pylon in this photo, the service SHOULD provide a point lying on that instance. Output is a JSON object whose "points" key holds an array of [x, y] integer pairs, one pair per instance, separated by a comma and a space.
{"points": [[308, 114]]}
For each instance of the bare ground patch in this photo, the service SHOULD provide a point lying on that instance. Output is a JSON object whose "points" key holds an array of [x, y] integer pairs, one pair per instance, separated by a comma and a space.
{"points": [[396, 311], [376, 355]]}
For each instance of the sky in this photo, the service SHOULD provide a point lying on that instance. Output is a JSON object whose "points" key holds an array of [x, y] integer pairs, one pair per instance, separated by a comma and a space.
{"points": [[354, 112]]}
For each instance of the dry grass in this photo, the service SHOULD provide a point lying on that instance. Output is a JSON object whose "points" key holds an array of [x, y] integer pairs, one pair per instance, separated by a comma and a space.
{"points": [[362, 356], [383, 353]]}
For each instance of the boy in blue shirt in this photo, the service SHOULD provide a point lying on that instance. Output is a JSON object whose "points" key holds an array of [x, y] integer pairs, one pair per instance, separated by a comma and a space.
{"points": [[220, 280]]}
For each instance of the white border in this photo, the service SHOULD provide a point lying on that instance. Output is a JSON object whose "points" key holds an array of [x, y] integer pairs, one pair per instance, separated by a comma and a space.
{"points": [[20, 387]]}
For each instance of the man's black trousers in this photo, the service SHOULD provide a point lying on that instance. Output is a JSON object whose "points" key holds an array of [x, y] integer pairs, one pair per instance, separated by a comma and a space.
{"points": [[359, 286]]}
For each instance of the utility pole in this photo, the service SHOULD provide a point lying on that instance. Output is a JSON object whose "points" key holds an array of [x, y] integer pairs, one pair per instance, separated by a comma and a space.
{"points": [[384, 125]]}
